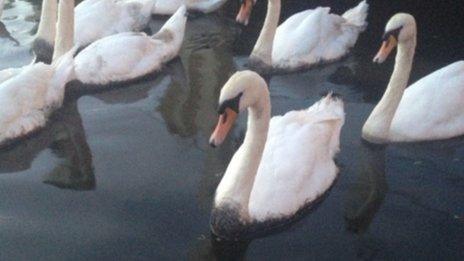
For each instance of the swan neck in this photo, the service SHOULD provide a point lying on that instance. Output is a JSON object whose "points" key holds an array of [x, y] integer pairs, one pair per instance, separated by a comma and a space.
{"points": [[65, 28], [47, 22], [380, 120], [262, 50], [239, 178]]}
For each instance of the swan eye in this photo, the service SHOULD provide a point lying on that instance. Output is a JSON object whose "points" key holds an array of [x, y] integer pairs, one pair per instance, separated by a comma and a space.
{"points": [[395, 33], [233, 104]]}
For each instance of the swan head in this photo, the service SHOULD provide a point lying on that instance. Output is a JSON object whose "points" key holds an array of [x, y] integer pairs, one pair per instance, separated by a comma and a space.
{"points": [[243, 16], [244, 89], [400, 29]]}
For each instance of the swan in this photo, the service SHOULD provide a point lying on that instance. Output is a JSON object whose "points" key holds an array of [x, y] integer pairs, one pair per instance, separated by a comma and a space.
{"points": [[284, 164], [27, 98], [168, 7], [96, 19], [306, 38], [43, 43], [126, 56], [430, 109]]}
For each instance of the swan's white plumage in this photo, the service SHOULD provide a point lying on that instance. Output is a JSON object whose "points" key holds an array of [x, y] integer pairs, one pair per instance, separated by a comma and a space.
{"points": [[430, 109], [284, 163], [168, 7], [315, 36], [297, 164], [6, 74], [95, 19], [28, 97], [127, 56], [433, 106]]}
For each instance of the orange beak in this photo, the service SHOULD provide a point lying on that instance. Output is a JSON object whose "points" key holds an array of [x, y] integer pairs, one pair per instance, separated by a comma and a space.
{"points": [[385, 50], [243, 16], [225, 123]]}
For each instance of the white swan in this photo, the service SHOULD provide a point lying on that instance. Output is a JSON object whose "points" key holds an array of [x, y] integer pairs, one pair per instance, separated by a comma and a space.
{"points": [[27, 98], [168, 7], [284, 164], [430, 109], [95, 19], [127, 56], [306, 38]]}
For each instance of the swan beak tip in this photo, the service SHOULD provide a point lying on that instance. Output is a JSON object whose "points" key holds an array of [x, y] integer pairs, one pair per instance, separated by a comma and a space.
{"points": [[212, 144]]}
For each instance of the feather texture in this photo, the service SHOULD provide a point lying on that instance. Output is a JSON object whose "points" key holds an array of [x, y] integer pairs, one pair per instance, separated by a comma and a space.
{"points": [[130, 55]]}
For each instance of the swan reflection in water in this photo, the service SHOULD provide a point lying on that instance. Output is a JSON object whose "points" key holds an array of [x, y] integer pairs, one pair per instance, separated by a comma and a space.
{"points": [[65, 136], [366, 197], [189, 104], [5, 34]]}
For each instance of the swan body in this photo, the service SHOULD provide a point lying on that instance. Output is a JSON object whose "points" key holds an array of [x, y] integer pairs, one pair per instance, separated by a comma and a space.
{"points": [[130, 55], [28, 97], [168, 7], [96, 19], [433, 105], [430, 109], [307, 38], [284, 164], [29, 94]]}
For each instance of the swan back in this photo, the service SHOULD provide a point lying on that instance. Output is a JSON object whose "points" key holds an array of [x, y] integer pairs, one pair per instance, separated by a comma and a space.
{"points": [[433, 105], [297, 166], [22, 101], [129, 55], [98, 19], [315, 36]]}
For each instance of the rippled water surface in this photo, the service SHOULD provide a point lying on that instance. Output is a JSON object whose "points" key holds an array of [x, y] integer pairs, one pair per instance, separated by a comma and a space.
{"points": [[127, 173]]}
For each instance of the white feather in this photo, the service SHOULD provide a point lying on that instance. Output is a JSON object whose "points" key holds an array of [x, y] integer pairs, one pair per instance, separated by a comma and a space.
{"points": [[297, 164], [126, 56], [95, 19], [432, 108], [168, 7], [315, 36], [28, 97]]}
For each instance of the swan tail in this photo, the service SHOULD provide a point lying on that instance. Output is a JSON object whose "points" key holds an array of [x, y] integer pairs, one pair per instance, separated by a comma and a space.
{"points": [[330, 110], [64, 71], [357, 16], [174, 26]]}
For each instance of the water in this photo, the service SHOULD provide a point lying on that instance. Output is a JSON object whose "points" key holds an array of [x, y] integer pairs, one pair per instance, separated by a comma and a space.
{"points": [[127, 173]]}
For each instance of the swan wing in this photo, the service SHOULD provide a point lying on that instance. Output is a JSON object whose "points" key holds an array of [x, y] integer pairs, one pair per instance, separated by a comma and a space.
{"points": [[315, 36], [129, 55], [9, 73], [297, 164], [432, 108], [97, 19], [23, 100], [119, 57]]}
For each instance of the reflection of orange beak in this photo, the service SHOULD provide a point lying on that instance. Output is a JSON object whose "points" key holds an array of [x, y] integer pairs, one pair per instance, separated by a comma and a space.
{"points": [[385, 50], [243, 16], [225, 123]]}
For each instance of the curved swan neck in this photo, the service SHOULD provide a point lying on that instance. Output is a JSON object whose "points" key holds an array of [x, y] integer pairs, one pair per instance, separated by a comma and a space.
{"points": [[262, 51], [47, 22], [238, 181], [65, 28], [377, 127]]}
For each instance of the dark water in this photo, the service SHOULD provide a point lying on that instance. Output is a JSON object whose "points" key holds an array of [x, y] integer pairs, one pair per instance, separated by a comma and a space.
{"points": [[127, 173]]}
